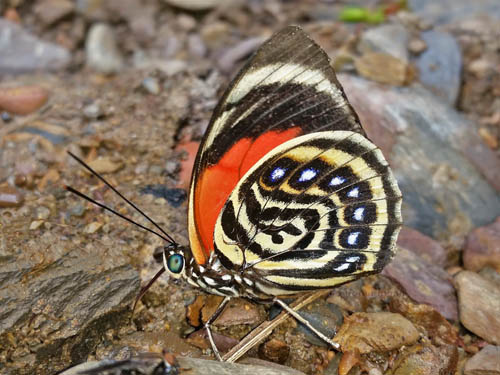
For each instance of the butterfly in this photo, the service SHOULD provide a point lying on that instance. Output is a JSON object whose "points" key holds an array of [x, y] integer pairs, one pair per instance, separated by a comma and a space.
{"points": [[287, 194]]}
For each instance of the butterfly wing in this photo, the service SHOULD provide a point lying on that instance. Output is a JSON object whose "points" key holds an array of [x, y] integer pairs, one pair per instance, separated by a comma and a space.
{"points": [[318, 210], [287, 89]]}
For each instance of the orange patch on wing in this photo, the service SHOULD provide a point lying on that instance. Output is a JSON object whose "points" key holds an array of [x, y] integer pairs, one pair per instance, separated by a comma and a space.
{"points": [[216, 183]]}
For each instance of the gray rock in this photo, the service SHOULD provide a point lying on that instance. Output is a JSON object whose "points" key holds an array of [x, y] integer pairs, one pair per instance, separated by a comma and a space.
{"points": [[487, 361], [325, 317], [435, 154], [196, 366], [23, 52], [440, 65], [51, 11], [102, 53], [391, 39], [424, 282], [196, 5], [479, 305], [483, 248], [60, 311], [448, 11]]}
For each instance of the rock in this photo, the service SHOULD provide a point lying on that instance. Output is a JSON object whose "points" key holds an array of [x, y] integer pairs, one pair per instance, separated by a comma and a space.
{"points": [[424, 282], [93, 111], [417, 46], [275, 351], [451, 11], [139, 15], [51, 11], [10, 197], [483, 248], [479, 305], [383, 68], [427, 248], [324, 316], [22, 52], [102, 53], [61, 311], [151, 85], [174, 196], [426, 360], [434, 152], [375, 332], [197, 5], [440, 65], [487, 361], [196, 366], [104, 165], [22, 100], [389, 39]]}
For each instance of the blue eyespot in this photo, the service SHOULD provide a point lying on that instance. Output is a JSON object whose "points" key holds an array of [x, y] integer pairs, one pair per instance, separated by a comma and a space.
{"points": [[277, 174], [175, 263], [308, 174]]}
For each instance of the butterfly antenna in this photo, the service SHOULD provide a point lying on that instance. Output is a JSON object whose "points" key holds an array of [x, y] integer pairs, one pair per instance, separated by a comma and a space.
{"points": [[166, 236]]}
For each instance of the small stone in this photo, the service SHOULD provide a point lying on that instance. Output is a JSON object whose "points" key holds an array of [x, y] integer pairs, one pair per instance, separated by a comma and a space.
{"points": [[10, 197], [51, 11], [480, 67], [483, 248], [93, 227], [424, 282], [92, 111], [151, 85], [186, 22], [234, 54], [12, 15], [22, 100], [417, 46], [22, 52], [479, 305], [390, 39], [35, 224], [104, 165], [102, 53], [42, 213], [485, 362], [196, 46], [375, 332], [196, 5], [383, 68], [274, 350]]}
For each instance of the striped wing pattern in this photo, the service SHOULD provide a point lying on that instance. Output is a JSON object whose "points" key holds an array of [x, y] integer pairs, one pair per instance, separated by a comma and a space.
{"points": [[319, 210]]}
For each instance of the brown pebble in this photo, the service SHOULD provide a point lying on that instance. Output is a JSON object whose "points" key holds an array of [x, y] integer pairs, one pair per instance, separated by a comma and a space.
{"points": [[348, 361], [104, 165], [383, 68], [22, 100], [489, 138], [10, 197], [12, 15], [274, 350], [417, 46]]}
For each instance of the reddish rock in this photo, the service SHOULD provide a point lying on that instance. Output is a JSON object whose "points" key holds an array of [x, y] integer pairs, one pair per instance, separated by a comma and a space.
{"points": [[426, 360], [485, 362], [479, 305], [424, 282], [483, 248], [22, 100], [423, 245], [191, 149]]}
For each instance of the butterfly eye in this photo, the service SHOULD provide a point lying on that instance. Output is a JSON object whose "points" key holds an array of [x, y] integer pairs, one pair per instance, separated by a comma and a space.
{"points": [[175, 263]]}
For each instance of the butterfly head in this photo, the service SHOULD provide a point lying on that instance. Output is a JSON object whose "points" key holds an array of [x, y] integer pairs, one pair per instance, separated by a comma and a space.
{"points": [[174, 260]]}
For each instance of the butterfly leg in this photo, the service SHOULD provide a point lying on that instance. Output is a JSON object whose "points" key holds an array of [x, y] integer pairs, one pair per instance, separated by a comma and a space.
{"points": [[297, 316], [210, 321]]}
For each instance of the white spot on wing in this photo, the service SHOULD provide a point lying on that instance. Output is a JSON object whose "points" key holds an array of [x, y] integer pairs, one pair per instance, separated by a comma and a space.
{"points": [[359, 214], [352, 259], [337, 180], [226, 277], [209, 281], [342, 267], [308, 175], [277, 173], [353, 193], [353, 238]]}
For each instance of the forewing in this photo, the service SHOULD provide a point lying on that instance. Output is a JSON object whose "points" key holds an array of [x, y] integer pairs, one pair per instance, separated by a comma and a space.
{"points": [[317, 211]]}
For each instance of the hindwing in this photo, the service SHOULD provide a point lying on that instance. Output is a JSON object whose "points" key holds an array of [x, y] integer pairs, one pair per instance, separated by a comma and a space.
{"points": [[287, 89], [316, 211]]}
